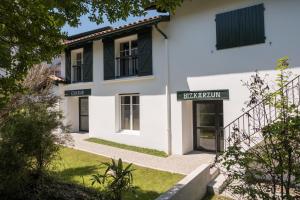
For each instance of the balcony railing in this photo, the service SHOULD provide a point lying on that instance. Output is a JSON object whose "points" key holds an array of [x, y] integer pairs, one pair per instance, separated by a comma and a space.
{"points": [[77, 73], [126, 66]]}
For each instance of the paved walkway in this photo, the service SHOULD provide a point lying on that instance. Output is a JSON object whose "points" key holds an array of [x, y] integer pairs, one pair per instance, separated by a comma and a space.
{"points": [[183, 164]]}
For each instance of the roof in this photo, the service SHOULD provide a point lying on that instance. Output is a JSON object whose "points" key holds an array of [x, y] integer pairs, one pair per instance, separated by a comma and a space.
{"points": [[72, 37], [109, 31]]}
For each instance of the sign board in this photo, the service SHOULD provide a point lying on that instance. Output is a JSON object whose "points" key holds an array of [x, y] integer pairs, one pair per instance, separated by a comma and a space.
{"points": [[73, 93], [203, 95]]}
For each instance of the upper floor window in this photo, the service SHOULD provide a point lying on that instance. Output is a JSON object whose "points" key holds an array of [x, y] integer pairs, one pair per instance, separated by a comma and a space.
{"points": [[127, 57], [77, 65], [240, 27]]}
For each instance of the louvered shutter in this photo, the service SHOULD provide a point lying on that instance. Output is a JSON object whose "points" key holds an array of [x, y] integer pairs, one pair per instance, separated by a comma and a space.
{"points": [[240, 27], [109, 59], [68, 65], [88, 62], [145, 52]]}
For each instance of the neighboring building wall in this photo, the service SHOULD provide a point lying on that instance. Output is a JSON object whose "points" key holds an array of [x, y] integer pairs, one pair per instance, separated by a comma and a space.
{"points": [[195, 64]]}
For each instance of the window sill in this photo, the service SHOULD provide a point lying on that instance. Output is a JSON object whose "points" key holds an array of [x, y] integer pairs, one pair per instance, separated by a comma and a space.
{"points": [[129, 132], [80, 83], [129, 79]]}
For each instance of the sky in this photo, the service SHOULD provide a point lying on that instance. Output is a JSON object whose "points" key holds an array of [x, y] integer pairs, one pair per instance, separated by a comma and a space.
{"points": [[86, 25]]}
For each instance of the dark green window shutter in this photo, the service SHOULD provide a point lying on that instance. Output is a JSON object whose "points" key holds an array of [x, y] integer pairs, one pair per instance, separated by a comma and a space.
{"points": [[68, 65], [145, 52], [109, 59], [88, 62], [240, 27]]}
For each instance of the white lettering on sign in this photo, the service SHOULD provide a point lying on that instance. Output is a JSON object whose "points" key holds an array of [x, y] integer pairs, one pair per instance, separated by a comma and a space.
{"points": [[77, 92], [200, 95]]}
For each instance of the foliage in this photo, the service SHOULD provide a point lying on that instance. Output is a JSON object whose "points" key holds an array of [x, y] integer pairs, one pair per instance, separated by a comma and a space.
{"points": [[128, 147], [30, 31], [263, 162], [28, 143], [51, 189], [116, 179]]}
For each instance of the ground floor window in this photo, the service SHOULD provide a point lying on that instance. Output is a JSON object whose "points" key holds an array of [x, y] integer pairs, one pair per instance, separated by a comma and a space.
{"points": [[130, 112]]}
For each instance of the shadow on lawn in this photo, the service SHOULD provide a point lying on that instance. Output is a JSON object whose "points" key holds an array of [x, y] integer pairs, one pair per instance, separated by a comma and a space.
{"points": [[140, 194], [68, 175]]}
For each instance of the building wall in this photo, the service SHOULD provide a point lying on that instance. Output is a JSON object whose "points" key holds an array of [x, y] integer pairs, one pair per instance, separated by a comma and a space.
{"points": [[104, 101], [195, 64]]}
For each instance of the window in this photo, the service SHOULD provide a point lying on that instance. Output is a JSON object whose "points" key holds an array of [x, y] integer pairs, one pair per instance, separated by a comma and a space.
{"points": [[130, 112], [77, 65], [127, 60], [240, 27]]}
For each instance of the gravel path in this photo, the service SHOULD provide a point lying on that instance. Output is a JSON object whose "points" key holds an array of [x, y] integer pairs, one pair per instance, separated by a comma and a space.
{"points": [[182, 164]]}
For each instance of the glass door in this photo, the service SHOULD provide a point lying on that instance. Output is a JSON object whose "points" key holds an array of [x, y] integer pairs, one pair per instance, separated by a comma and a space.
{"points": [[83, 114], [208, 119]]}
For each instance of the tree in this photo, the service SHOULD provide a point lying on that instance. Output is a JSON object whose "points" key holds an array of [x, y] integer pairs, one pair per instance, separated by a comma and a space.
{"points": [[31, 134], [30, 31], [263, 161]]}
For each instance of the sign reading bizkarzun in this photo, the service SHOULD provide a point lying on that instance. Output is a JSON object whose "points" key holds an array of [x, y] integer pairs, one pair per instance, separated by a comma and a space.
{"points": [[73, 93], [203, 95]]}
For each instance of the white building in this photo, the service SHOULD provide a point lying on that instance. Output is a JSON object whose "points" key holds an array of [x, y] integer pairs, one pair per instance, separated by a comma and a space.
{"points": [[170, 82]]}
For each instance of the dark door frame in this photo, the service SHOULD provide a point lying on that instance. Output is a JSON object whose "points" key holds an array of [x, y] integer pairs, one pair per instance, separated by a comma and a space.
{"points": [[79, 104], [217, 124]]}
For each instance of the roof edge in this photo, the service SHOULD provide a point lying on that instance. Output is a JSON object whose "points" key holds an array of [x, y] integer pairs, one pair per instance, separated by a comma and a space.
{"points": [[109, 32]]}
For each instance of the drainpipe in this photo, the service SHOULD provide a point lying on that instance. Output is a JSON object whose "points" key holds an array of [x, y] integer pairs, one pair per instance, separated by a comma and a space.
{"points": [[168, 98]]}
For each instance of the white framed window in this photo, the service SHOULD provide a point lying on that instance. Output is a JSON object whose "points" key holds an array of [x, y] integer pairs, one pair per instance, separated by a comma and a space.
{"points": [[130, 112], [77, 65], [126, 56]]}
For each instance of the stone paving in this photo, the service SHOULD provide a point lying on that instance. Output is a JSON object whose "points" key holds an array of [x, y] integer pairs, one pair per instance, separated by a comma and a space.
{"points": [[182, 164]]}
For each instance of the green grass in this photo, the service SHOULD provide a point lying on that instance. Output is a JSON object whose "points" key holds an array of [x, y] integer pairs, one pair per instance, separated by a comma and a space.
{"points": [[216, 197], [77, 167], [128, 147]]}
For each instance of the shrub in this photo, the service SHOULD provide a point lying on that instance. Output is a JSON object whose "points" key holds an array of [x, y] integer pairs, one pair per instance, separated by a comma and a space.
{"points": [[116, 179]]}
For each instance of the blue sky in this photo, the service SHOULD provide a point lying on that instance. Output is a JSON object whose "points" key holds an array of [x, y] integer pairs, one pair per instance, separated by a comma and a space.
{"points": [[86, 25]]}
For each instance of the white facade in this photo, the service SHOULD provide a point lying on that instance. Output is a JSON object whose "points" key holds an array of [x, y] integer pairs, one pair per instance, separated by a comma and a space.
{"points": [[187, 61]]}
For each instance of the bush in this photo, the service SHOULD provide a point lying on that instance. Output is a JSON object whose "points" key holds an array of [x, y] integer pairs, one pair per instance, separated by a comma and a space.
{"points": [[116, 179], [28, 143]]}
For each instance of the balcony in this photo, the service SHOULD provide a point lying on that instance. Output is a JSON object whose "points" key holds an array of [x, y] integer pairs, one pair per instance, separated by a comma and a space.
{"points": [[77, 73], [126, 66]]}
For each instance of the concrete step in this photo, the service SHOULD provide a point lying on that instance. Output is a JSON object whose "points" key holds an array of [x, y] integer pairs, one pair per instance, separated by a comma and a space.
{"points": [[214, 172], [217, 185]]}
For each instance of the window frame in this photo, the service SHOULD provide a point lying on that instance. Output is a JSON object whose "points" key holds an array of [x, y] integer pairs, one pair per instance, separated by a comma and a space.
{"points": [[117, 43], [131, 112], [74, 62]]}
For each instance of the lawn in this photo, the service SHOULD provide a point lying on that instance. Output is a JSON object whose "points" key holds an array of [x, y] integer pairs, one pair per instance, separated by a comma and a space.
{"points": [[216, 197], [77, 167], [128, 147]]}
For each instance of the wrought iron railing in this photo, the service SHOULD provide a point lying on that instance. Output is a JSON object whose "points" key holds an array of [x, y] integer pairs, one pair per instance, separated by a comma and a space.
{"points": [[247, 127], [126, 66], [77, 73]]}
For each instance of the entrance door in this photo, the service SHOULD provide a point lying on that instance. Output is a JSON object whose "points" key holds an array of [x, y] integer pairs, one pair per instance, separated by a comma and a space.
{"points": [[208, 119], [83, 114]]}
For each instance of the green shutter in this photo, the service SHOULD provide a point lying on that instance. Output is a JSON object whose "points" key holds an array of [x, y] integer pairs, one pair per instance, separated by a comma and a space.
{"points": [[145, 52], [240, 27], [88, 62], [68, 65], [109, 59]]}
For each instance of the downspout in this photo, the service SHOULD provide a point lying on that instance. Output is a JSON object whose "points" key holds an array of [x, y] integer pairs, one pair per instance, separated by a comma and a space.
{"points": [[168, 98]]}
